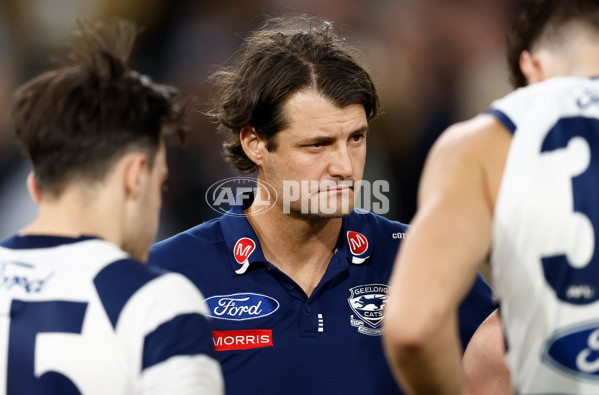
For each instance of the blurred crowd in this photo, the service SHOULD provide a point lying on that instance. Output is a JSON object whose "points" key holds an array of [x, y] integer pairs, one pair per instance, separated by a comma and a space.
{"points": [[435, 62]]}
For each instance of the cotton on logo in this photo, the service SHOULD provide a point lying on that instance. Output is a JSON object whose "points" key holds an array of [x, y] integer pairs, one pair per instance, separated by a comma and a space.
{"points": [[357, 242], [243, 249]]}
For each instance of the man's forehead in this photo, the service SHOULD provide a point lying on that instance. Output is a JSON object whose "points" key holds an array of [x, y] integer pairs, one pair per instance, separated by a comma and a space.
{"points": [[311, 112]]}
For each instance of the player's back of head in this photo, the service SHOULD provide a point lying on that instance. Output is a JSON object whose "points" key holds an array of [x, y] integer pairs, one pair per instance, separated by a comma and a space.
{"points": [[547, 23], [75, 120]]}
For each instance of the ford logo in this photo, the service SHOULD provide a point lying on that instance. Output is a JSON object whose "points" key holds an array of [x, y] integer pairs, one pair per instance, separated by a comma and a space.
{"points": [[241, 306], [575, 350]]}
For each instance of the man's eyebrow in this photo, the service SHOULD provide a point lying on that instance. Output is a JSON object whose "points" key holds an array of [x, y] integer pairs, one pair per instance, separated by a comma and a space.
{"points": [[363, 129], [326, 137]]}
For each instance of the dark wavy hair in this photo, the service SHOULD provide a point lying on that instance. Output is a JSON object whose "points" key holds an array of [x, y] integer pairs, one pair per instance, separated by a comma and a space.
{"points": [[283, 57], [542, 20], [75, 120]]}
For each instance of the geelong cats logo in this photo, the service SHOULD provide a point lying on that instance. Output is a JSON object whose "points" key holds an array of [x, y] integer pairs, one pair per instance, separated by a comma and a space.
{"points": [[367, 302]]}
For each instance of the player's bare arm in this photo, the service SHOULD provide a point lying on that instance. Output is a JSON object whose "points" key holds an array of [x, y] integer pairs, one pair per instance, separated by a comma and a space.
{"points": [[485, 369], [449, 238]]}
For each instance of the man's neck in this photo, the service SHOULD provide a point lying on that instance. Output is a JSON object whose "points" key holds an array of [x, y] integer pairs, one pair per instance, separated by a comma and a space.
{"points": [[71, 216], [577, 54], [299, 246]]}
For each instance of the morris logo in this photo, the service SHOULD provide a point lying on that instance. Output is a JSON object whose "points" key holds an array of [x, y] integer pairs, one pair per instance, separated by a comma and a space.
{"points": [[357, 243], [243, 339], [368, 301], [575, 350], [241, 306], [243, 249]]}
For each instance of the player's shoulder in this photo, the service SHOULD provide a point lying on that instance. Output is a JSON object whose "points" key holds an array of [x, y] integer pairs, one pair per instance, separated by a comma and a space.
{"points": [[469, 140], [187, 243], [126, 280], [206, 232], [117, 282], [127, 270]]}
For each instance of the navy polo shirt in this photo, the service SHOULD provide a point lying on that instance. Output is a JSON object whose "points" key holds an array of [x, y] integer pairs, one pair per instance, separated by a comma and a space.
{"points": [[270, 337]]}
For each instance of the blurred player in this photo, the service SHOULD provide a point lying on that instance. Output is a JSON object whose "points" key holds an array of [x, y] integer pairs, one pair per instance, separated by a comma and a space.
{"points": [[296, 280], [518, 185], [79, 312]]}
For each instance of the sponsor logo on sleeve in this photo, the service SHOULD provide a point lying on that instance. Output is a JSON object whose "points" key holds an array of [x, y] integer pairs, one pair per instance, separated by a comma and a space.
{"points": [[367, 302], [358, 244], [242, 251], [241, 306], [242, 339], [575, 350]]}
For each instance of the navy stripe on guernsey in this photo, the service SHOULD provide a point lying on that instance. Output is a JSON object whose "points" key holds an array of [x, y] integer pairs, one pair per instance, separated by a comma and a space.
{"points": [[504, 119], [40, 241], [117, 282], [193, 336]]}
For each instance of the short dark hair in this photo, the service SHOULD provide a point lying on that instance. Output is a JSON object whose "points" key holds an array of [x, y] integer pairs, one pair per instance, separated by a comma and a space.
{"points": [[542, 20], [286, 55], [76, 120]]}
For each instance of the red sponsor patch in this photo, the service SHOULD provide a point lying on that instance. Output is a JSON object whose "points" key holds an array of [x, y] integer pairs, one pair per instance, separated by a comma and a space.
{"points": [[242, 339], [243, 249], [357, 242]]}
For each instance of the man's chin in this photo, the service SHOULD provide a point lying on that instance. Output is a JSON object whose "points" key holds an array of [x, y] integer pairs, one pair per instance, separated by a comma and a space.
{"points": [[324, 214], [333, 215]]}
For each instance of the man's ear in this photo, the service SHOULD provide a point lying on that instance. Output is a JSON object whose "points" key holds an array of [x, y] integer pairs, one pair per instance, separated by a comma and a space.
{"points": [[135, 171], [252, 144], [33, 189], [531, 67]]}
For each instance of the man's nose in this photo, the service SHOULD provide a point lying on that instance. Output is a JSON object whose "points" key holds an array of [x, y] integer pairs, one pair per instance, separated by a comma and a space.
{"points": [[341, 163]]}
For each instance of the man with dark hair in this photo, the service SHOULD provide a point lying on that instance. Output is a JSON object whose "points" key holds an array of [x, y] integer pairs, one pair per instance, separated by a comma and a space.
{"points": [[519, 186], [79, 312], [296, 279]]}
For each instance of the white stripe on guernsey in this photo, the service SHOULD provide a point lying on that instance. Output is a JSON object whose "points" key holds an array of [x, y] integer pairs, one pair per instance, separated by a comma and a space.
{"points": [[88, 257], [69, 268], [157, 302], [183, 375], [95, 254]]}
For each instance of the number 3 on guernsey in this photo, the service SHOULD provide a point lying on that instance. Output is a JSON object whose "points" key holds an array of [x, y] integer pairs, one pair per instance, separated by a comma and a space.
{"points": [[585, 195]]}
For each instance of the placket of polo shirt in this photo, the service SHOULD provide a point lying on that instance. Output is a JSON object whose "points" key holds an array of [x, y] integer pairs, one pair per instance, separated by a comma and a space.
{"points": [[312, 319]]}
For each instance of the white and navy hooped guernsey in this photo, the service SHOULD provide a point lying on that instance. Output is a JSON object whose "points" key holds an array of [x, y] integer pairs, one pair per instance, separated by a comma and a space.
{"points": [[545, 234], [270, 337], [77, 316]]}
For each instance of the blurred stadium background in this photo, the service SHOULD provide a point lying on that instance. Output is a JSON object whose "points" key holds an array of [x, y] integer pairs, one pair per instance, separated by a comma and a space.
{"points": [[435, 62]]}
